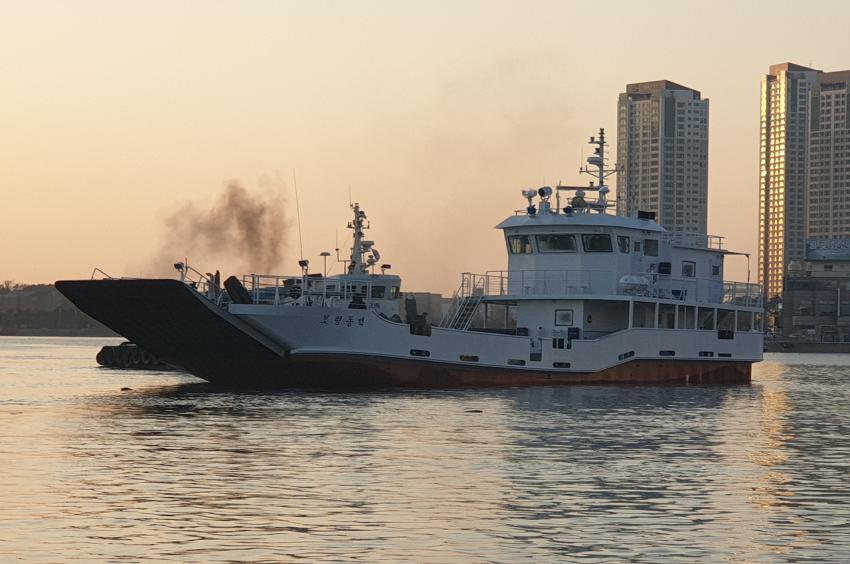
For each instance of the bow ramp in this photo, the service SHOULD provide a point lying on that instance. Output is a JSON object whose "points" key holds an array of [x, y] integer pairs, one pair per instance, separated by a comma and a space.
{"points": [[172, 321]]}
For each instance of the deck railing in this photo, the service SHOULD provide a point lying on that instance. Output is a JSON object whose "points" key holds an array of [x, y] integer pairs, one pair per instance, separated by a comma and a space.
{"points": [[569, 283], [276, 290], [696, 241]]}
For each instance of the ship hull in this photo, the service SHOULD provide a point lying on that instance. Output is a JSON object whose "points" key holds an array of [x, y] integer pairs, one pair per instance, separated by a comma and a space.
{"points": [[175, 323], [369, 370]]}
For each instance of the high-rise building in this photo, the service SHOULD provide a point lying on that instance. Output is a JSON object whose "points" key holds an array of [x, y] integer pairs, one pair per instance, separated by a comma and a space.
{"points": [[662, 149], [785, 93], [828, 186]]}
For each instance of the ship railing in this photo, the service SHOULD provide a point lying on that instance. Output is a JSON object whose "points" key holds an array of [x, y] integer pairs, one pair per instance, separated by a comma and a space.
{"points": [[464, 304], [273, 289], [743, 293], [545, 282], [204, 283], [697, 241], [568, 283], [103, 275]]}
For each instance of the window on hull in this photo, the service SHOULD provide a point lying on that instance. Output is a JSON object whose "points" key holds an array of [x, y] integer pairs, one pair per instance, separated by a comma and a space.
{"points": [[705, 318], [686, 317], [643, 315], [725, 320], [666, 316], [745, 320]]}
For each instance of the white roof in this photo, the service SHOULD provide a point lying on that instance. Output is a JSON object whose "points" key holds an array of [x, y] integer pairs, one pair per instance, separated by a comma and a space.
{"points": [[580, 220]]}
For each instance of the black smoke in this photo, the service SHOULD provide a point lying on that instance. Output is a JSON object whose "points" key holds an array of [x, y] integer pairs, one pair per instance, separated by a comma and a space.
{"points": [[240, 232]]}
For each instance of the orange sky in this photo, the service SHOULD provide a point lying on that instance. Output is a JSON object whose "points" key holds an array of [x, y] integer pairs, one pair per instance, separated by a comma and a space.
{"points": [[115, 114]]}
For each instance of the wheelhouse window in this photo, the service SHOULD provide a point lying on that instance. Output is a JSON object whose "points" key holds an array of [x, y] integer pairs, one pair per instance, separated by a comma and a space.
{"points": [[745, 320], [378, 292], [689, 269], [393, 292], [597, 243], [623, 243], [650, 247], [520, 245], [556, 243]]}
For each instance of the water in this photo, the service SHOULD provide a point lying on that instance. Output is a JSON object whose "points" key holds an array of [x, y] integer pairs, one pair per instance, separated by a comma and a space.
{"points": [[172, 470]]}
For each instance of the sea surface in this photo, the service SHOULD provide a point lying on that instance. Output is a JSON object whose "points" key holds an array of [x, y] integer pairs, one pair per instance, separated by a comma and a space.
{"points": [[174, 470]]}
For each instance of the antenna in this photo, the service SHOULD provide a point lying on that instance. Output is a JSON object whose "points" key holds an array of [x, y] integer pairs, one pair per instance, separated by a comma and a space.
{"points": [[597, 160], [298, 209]]}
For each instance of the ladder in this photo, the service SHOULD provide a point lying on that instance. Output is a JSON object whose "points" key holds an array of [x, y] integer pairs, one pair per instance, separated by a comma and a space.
{"points": [[465, 303]]}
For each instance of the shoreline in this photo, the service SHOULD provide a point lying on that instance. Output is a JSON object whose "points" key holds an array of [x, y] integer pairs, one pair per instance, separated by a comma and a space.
{"points": [[36, 332]]}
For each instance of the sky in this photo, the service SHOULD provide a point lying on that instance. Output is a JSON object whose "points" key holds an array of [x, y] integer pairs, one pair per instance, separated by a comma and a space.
{"points": [[117, 116]]}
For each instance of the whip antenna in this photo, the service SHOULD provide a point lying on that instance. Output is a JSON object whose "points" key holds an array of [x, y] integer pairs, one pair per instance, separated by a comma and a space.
{"points": [[298, 210]]}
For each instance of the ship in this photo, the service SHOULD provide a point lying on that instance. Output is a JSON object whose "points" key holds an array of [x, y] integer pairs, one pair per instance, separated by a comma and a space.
{"points": [[588, 296]]}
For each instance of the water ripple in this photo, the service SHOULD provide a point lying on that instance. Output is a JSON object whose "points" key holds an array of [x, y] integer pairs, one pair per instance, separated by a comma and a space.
{"points": [[174, 470]]}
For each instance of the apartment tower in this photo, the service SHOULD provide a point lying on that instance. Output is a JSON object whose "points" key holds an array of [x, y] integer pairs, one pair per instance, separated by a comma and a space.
{"points": [[828, 187], [785, 94], [662, 147]]}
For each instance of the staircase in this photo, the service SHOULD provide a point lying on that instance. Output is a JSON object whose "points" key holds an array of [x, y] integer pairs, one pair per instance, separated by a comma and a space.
{"points": [[465, 303]]}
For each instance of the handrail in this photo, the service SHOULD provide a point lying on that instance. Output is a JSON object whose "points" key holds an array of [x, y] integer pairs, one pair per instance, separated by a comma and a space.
{"points": [[283, 290], [556, 283], [96, 270]]}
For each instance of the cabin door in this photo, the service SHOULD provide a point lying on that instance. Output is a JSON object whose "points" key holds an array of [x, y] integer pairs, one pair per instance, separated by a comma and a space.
{"points": [[636, 258], [536, 353]]}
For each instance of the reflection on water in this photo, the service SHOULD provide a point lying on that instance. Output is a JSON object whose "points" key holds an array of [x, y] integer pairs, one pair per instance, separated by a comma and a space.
{"points": [[175, 470]]}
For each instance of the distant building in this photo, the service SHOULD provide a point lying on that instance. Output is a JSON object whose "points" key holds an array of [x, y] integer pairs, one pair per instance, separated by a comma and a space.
{"points": [[785, 94], [828, 192], [662, 147], [816, 296]]}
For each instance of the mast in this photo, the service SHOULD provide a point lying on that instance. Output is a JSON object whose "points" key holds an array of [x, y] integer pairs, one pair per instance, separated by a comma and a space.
{"points": [[360, 263], [595, 167], [597, 161], [356, 264]]}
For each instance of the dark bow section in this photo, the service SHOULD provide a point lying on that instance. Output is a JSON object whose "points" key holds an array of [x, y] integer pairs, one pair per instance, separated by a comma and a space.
{"points": [[173, 322]]}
